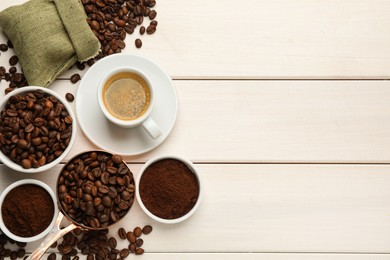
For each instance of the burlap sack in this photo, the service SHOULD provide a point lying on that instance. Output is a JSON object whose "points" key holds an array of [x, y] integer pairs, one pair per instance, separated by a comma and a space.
{"points": [[49, 36]]}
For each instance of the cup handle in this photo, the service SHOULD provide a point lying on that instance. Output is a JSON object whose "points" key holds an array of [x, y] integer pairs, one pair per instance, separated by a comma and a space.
{"points": [[152, 128], [54, 234]]}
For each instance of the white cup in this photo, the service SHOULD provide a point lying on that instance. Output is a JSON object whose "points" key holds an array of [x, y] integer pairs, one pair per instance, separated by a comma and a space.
{"points": [[144, 120]]}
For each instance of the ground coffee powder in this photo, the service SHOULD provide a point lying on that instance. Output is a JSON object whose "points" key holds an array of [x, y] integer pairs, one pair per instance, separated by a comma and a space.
{"points": [[27, 210], [169, 189]]}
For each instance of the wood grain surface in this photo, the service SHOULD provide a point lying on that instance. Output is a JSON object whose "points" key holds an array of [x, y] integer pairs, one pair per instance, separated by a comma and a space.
{"points": [[284, 108]]}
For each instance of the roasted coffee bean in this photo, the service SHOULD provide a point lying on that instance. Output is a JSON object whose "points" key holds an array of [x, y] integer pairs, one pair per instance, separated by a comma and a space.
{"points": [[12, 70], [2, 71], [147, 229], [3, 47], [124, 253], [151, 29], [138, 43], [142, 30], [154, 22], [139, 251], [69, 97], [52, 256], [152, 14], [137, 232], [132, 247], [112, 243], [131, 237], [117, 159], [9, 44], [75, 78], [13, 60], [122, 233], [139, 242]]}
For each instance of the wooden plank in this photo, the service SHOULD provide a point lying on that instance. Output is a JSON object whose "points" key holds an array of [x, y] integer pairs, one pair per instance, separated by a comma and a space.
{"points": [[271, 208], [268, 39], [274, 121]]}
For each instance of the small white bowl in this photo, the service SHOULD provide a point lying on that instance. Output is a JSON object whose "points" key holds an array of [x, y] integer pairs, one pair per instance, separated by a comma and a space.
{"points": [[191, 166], [4, 228], [7, 161]]}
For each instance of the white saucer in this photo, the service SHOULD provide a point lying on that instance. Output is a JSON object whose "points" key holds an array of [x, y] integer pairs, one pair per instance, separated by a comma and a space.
{"points": [[125, 141]]}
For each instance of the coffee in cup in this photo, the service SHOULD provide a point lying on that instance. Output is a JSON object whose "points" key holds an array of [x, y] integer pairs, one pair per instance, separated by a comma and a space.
{"points": [[126, 98], [126, 95]]}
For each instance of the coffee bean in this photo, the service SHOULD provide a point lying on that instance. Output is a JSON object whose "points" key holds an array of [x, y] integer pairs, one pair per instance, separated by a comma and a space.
{"points": [[112, 243], [69, 97], [13, 60], [142, 30], [137, 231], [147, 229], [131, 237], [138, 43], [154, 22], [152, 14], [12, 70], [3, 47], [151, 29], [139, 251], [2, 71], [75, 78], [122, 233], [9, 44], [124, 253], [139, 242], [26, 164], [132, 247], [52, 256]]}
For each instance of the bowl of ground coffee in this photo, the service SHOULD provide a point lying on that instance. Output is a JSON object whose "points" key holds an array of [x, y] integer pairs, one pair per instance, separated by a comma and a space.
{"points": [[28, 210], [169, 189], [37, 129]]}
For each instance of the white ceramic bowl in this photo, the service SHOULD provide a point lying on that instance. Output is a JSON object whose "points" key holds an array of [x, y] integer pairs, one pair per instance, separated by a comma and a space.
{"points": [[7, 161], [4, 228], [190, 166]]}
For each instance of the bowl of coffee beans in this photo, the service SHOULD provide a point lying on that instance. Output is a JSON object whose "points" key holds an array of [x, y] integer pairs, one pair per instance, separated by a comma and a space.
{"points": [[37, 129], [95, 189], [169, 189], [28, 210]]}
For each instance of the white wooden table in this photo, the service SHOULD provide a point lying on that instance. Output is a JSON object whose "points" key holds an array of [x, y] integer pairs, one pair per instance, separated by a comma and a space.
{"points": [[285, 108]]}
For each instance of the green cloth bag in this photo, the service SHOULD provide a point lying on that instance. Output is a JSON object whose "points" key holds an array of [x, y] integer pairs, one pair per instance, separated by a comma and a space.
{"points": [[49, 36]]}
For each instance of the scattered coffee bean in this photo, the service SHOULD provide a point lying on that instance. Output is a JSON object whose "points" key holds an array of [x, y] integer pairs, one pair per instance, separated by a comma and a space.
{"points": [[80, 66], [69, 97], [138, 43], [139, 242], [152, 14], [111, 20], [122, 233], [52, 256], [9, 44], [139, 251], [12, 70], [3, 47], [151, 29], [124, 253], [75, 78], [137, 231], [13, 60], [142, 30], [147, 229], [131, 237]]}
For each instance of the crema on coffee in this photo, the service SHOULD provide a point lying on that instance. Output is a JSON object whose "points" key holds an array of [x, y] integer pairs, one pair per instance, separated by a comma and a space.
{"points": [[126, 95]]}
